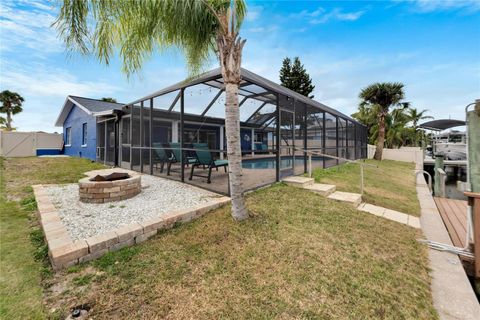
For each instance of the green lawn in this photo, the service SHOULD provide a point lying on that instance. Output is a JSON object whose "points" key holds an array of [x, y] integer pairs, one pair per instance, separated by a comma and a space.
{"points": [[300, 256], [390, 184], [23, 254]]}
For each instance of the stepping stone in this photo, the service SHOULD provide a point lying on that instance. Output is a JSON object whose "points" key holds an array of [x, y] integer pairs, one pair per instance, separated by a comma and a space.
{"points": [[352, 198], [414, 222], [301, 182], [396, 216], [370, 208], [322, 189]]}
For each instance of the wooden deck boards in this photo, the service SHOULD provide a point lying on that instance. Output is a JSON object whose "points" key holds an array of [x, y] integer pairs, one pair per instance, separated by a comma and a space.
{"points": [[454, 215]]}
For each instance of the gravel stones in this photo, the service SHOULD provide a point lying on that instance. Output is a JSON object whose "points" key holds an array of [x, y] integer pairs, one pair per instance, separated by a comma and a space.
{"points": [[158, 196]]}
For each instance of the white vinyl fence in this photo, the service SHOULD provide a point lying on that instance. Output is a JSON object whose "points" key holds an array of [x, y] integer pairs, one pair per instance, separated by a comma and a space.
{"points": [[405, 154], [29, 144]]}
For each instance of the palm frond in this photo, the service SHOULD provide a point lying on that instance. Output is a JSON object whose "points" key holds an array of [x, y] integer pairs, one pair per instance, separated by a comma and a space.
{"points": [[138, 29]]}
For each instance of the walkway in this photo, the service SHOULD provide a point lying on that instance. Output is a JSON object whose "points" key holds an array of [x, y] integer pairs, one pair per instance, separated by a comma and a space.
{"points": [[452, 293], [454, 215], [355, 199]]}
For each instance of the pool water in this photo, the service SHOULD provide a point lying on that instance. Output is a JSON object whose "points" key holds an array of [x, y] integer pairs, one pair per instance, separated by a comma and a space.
{"points": [[270, 163]]}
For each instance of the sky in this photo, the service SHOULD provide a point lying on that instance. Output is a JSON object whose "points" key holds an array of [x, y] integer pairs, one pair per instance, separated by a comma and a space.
{"points": [[431, 46]]}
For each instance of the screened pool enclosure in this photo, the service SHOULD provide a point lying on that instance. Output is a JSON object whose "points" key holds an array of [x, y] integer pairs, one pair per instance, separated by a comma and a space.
{"points": [[179, 133]]}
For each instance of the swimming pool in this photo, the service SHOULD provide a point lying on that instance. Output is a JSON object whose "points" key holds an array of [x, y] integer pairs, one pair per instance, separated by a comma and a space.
{"points": [[270, 163]]}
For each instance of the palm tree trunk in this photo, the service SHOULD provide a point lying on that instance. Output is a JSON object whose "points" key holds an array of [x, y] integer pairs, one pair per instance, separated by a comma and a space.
{"points": [[9, 121], [234, 152], [381, 137], [230, 57]]}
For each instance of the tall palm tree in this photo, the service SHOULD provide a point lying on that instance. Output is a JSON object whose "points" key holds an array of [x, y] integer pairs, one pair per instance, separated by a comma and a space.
{"points": [[140, 28], [415, 116], [382, 96], [11, 104]]}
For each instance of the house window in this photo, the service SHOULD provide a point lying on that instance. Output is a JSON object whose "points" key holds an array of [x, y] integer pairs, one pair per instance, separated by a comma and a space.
{"points": [[84, 134], [68, 136]]}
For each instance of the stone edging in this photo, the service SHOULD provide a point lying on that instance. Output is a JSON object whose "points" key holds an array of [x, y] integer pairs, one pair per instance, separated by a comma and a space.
{"points": [[65, 252]]}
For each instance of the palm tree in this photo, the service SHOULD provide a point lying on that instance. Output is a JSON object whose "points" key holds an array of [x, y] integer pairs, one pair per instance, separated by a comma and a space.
{"points": [[415, 116], [382, 96], [11, 104], [397, 132], [140, 28]]}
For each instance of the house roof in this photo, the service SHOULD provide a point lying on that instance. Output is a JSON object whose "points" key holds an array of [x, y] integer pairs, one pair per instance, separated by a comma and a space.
{"points": [[89, 106], [214, 78]]}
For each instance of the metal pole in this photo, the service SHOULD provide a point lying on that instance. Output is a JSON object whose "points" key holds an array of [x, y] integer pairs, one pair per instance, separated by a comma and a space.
{"points": [[142, 140], [324, 139], [182, 109], [151, 136], [277, 168], [361, 179], [305, 141], [309, 165]]}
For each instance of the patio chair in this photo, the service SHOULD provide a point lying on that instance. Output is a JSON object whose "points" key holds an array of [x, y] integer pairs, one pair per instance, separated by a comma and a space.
{"points": [[261, 147], [176, 156], [204, 158], [161, 155]]}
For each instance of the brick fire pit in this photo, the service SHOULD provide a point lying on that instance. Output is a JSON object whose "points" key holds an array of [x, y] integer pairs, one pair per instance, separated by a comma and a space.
{"points": [[108, 191]]}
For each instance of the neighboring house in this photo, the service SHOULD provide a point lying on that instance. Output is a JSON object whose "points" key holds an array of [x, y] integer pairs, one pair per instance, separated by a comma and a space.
{"points": [[78, 120]]}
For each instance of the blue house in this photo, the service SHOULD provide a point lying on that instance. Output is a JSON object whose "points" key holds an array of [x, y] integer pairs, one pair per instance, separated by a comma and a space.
{"points": [[78, 119]]}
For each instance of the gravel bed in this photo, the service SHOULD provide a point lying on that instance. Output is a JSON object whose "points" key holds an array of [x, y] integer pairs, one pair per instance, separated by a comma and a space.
{"points": [[158, 196]]}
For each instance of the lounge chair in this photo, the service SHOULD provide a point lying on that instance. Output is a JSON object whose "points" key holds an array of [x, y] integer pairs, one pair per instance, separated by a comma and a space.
{"points": [[261, 147], [161, 155], [204, 158], [176, 156]]}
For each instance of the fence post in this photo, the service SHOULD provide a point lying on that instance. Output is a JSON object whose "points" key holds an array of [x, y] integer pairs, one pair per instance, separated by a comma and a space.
{"points": [[361, 179], [309, 165]]}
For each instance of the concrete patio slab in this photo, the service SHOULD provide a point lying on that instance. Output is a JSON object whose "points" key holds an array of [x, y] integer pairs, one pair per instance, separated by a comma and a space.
{"points": [[352, 198], [297, 181], [396, 216], [322, 189], [370, 208]]}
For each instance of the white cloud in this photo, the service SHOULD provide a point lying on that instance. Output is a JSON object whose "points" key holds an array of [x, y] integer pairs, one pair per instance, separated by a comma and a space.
{"points": [[263, 29], [28, 27], [49, 82], [335, 15], [443, 5], [253, 13]]}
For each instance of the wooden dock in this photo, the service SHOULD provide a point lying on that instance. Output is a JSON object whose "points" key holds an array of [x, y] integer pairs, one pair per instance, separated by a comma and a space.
{"points": [[454, 215]]}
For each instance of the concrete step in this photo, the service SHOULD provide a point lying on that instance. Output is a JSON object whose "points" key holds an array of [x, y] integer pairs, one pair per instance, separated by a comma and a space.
{"points": [[300, 182], [353, 198], [322, 189]]}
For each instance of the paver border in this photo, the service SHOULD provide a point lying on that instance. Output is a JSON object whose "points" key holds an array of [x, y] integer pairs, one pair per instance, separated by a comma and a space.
{"points": [[64, 252]]}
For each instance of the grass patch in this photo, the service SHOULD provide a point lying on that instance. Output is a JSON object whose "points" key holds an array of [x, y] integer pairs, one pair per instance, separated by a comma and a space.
{"points": [[83, 280], [24, 260], [300, 256], [390, 185]]}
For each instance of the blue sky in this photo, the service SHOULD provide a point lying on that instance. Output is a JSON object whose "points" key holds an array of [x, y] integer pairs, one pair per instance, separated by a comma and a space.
{"points": [[432, 46]]}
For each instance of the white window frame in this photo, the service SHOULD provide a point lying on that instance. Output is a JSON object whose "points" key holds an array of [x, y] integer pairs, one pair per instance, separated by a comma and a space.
{"points": [[68, 136], [84, 134]]}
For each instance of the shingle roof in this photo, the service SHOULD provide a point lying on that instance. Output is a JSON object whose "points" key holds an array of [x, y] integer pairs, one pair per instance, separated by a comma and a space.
{"points": [[90, 106], [94, 105]]}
